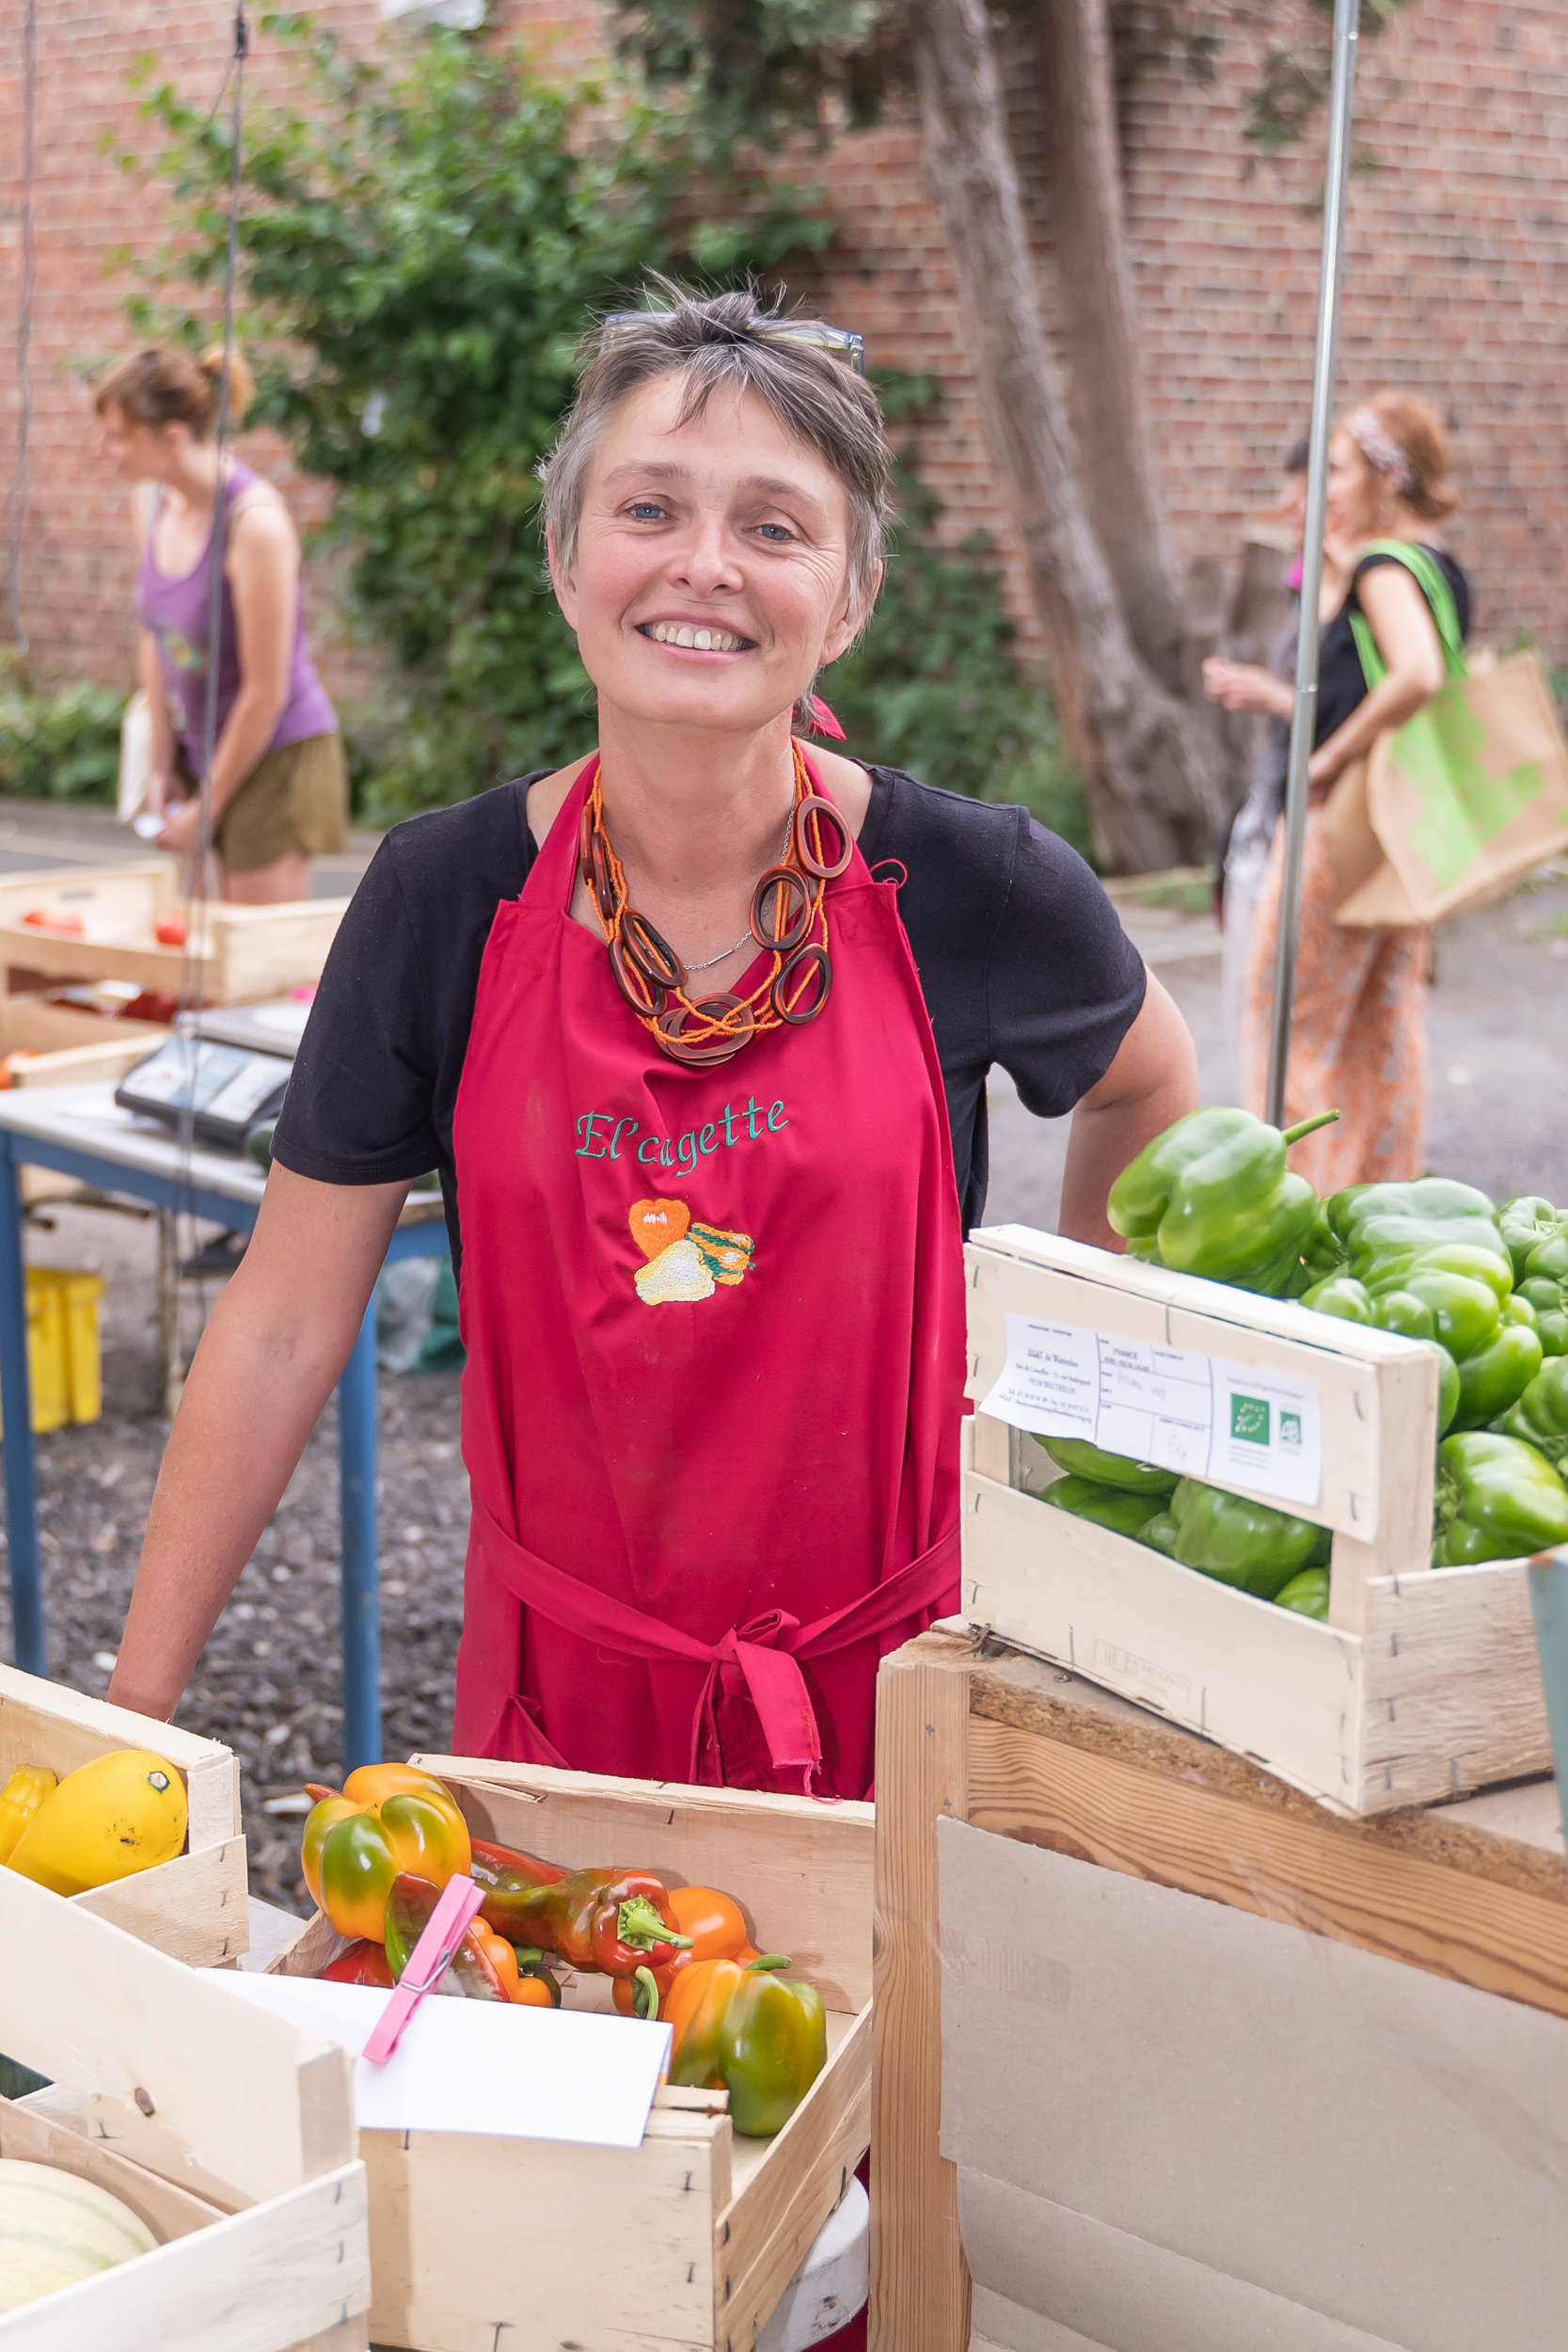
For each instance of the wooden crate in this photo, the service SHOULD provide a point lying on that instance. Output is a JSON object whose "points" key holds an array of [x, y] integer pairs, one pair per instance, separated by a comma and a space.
{"points": [[235, 955], [1423, 1683], [67, 1046], [686, 2243], [231, 2134], [969, 1731], [195, 1908]]}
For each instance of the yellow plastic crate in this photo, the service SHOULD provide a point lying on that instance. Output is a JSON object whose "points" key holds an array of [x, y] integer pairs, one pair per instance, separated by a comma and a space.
{"points": [[64, 1356]]}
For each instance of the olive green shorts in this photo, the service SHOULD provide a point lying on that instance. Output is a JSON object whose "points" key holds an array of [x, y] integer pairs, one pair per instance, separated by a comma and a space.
{"points": [[294, 799]]}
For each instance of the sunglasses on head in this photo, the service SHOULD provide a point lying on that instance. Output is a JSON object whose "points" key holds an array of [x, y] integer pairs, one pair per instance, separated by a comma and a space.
{"points": [[840, 342]]}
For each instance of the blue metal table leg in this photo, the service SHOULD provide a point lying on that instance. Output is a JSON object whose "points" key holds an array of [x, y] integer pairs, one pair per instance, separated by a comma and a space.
{"points": [[361, 1593], [1549, 1593], [16, 1404]]}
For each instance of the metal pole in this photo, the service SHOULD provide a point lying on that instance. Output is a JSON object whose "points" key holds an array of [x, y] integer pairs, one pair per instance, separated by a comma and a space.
{"points": [[29, 1638], [1304, 718], [357, 1400]]}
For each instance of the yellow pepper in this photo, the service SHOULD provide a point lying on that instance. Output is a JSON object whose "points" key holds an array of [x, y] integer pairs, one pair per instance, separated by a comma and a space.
{"points": [[389, 1819], [19, 1799]]}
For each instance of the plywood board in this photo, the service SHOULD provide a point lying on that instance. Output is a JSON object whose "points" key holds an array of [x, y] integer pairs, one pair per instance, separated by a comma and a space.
{"points": [[1324, 2125]]}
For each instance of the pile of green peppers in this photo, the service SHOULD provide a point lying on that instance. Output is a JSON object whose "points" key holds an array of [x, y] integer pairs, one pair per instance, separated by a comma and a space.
{"points": [[1485, 1289], [1260, 1551], [1488, 1291]]}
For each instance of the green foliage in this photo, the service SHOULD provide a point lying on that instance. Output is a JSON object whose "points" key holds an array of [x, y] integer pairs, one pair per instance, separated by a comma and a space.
{"points": [[62, 746], [935, 686], [423, 240], [761, 68]]}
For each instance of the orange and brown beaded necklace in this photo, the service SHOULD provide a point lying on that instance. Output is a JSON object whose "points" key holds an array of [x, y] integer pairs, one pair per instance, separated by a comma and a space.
{"points": [[789, 923]]}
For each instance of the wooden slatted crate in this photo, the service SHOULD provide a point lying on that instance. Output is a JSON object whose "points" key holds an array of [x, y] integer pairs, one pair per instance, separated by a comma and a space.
{"points": [[195, 1907], [60, 1045], [230, 2133], [684, 2244], [235, 955], [1423, 1683]]}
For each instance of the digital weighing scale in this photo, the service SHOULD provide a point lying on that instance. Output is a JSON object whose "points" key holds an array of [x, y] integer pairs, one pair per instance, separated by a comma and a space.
{"points": [[226, 1070]]}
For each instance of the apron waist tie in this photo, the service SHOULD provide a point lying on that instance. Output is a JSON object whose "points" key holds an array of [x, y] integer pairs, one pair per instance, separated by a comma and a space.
{"points": [[766, 1650]]}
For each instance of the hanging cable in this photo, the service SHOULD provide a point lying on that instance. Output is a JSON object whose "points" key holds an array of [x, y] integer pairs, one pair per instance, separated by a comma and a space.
{"points": [[193, 975], [17, 518]]}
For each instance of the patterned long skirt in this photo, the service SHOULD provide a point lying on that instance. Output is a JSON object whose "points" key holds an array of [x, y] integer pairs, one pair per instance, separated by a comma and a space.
{"points": [[1359, 1036]]}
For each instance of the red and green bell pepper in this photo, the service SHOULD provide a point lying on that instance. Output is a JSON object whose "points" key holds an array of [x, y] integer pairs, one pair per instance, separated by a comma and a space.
{"points": [[741, 2027]]}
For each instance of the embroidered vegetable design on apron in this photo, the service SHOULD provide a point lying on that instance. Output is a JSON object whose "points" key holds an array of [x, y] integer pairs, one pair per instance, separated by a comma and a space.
{"points": [[685, 1261]]}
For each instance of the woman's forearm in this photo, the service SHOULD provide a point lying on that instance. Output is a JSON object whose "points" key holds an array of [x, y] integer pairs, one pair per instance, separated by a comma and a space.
{"points": [[267, 1362], [247, 1408], [1388, 706], [151, 678], [242, 744]]}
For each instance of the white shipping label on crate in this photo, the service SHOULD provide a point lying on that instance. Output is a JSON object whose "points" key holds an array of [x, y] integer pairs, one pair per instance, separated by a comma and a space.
{"points": [[1199, 1415]]}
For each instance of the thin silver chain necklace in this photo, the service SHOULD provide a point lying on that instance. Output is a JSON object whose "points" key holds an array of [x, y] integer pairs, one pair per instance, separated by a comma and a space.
{"points": [[745, 936]]}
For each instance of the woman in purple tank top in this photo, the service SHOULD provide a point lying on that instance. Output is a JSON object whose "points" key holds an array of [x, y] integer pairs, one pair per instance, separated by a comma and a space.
{"points": [[279, 786]]}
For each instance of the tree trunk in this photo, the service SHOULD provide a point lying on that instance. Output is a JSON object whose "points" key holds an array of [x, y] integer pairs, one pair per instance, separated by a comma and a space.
{"points": [[1099, 316], [1153, 798]]}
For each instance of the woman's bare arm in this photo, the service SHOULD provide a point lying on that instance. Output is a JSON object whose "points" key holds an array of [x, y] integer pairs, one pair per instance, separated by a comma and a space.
{"points": [[1406, 636], [268, 1360], [1152, 1082]]}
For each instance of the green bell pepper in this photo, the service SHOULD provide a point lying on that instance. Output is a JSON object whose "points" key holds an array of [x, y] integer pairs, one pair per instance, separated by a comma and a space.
{"points": [[1497, 1499], [1083, 1460], [1386, 1228], [1162, 1533], [1214, 1197], [1242, 1542], [1496, 1376], [1400, 1312], [1342, 1295], [1306, 1594], [1543, 1282], [1526, 1224], [1107, 1506], [1540, 1415]]}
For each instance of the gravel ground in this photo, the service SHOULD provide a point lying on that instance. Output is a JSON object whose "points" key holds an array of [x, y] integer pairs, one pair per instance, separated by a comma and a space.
{"points": [[268, 1682]]}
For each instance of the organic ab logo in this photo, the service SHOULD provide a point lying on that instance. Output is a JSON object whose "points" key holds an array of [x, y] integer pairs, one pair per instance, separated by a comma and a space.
{"points": [[1249, 1420], [685, 1261], [1289, 1428]]}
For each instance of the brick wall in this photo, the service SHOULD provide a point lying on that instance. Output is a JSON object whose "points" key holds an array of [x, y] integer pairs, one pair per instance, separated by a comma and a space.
{"points": [[1457, 284]]}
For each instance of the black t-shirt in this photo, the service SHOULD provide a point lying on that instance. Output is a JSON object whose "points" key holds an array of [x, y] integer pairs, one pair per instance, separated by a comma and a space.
{"points": [[1341, 680], [1020, 954]]}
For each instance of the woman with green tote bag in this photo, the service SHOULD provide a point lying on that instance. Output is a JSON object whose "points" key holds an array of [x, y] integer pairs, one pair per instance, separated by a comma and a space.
{"points": [[1358, 1024]]}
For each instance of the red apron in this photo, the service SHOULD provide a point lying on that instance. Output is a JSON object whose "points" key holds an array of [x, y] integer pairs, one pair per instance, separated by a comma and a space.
{"points": [[715, 1324]]}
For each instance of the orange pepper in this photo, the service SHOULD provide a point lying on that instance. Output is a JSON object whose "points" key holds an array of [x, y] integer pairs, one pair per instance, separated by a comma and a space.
{"points": [[388, 1820], [530, 1992], [713, 1921]]}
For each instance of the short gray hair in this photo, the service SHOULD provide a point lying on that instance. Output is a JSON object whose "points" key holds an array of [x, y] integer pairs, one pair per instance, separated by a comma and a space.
{"points": [[717, 341]]}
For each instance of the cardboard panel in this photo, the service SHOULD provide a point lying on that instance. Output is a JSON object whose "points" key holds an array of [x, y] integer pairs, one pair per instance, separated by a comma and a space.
{"points": [[1002, 2326], [1097, 2286], [1384, 2148]]}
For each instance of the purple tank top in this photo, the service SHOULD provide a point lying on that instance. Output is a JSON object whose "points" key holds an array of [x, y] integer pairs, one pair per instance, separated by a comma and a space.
{"points": [[176, 613]]}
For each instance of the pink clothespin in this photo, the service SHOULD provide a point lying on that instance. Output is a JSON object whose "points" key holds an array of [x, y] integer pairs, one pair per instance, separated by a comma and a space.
{"points": [[444, 1930]]}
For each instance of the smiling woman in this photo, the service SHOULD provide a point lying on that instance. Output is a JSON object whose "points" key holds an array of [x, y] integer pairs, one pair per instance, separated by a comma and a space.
{"points": [[697, 1031]]}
